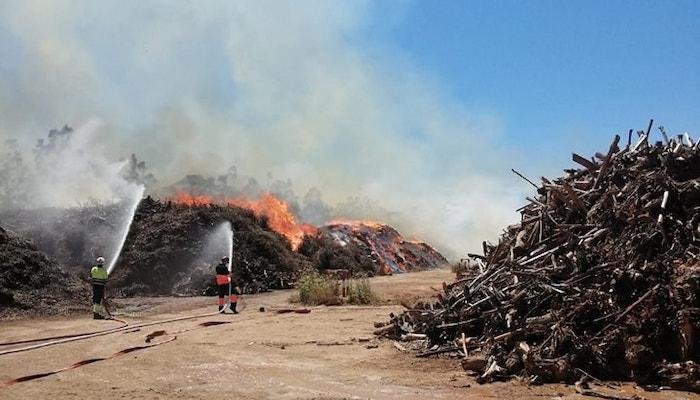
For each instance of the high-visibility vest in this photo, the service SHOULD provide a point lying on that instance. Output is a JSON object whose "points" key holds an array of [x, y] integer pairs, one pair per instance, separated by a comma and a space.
{"points": [[98, 275], [222, 279]]}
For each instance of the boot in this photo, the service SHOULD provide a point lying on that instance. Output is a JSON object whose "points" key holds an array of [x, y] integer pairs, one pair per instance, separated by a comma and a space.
{"points": [[97, 316], [221, 308], [233, 308]]}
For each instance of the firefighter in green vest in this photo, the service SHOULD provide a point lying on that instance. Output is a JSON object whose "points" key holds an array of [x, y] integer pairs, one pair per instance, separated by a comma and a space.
{"points": [[98, 275]]}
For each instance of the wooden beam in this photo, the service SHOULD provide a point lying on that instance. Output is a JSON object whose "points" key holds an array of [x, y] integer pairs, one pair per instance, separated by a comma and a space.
{"points": [[607, 162], [573, 197], [529, 181], [586, 163]]}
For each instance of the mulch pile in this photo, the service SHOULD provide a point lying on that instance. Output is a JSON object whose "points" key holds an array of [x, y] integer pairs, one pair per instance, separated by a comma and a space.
{"points": [[168, 249], [165, 251], [29, 281], [387, 251], [601, 278]]}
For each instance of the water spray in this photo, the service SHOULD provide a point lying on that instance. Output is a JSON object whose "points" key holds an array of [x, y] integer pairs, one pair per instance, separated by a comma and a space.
{"points": [[134, 201], [229, 240]]}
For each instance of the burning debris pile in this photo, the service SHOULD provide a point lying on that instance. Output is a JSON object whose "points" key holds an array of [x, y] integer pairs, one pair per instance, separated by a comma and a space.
{"points": [[165, 247], [362, 247], [30, 281], [168, 248], [325, 253], [383, 250], [600, 278]]}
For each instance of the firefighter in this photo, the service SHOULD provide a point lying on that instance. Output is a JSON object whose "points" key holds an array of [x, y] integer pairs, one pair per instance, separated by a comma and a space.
{"points": [[98, 276], [223, 284]]}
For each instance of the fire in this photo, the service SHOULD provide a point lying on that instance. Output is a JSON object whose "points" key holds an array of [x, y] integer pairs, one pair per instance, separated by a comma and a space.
{"points": [[192, 200], [280, 218], [385, 242]]}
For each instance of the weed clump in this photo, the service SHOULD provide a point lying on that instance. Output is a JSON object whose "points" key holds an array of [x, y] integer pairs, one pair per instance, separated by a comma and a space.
{"points": [[360, 292], [315, 289]]}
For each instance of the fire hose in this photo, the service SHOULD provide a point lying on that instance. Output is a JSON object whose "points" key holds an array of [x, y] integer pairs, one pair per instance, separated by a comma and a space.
{"points": [[60, 339], [128, 350], [105, 303], [72, 338], [42, 339], [125, 328]]}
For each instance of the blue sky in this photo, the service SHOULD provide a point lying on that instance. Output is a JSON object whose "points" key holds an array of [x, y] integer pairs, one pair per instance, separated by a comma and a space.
{"points": [[420, 108], [562, 75]]}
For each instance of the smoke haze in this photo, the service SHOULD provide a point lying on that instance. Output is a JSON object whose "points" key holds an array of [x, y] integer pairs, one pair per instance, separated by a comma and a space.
{"points": [[294, 95], [67, 168]]}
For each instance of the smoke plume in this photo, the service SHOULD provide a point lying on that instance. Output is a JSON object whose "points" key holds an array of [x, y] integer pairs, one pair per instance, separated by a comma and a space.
{"points": [[293, 94]]}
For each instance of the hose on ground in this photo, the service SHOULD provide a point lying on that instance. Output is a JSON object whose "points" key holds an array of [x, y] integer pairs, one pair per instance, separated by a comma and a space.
{"points": [[73, 338], [80, 363], [59, 339], [45, 338]]}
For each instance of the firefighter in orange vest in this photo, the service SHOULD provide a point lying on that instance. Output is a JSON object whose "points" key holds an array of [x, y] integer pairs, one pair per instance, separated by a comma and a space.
{"points": [[223, 284]]}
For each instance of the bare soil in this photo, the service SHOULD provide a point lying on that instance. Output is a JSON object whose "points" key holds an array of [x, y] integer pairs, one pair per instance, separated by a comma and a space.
{"points": [[260, 355]]}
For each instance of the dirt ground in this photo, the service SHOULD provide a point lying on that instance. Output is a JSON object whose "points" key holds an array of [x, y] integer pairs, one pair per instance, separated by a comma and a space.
{"points": [[259, 355]]}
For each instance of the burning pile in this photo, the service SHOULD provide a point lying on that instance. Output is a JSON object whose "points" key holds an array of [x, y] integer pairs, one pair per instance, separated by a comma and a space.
{"points": [[388, 250], [165, 247], [29, 280], [168, 247], [600, 277], [363, 247]]}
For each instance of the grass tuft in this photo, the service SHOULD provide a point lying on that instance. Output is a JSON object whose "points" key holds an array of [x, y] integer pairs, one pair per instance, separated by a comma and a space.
{"points": [[360, 292], [314, 289]]}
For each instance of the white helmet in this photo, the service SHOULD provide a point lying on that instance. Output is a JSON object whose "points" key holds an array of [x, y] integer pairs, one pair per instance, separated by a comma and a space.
{"points": [[100, 260]]}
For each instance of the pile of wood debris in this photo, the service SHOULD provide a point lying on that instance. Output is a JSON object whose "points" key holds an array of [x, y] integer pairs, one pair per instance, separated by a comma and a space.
{"points": [[601, 278]]}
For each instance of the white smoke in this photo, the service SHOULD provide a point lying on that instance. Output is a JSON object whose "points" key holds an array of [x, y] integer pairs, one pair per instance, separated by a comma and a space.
{"points": [[79, 172], [68, 168], [288, 88]]}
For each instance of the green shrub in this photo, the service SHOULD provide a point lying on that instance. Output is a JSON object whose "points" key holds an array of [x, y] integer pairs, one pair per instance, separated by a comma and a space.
{"points": [[315, 289], [360, 292]]}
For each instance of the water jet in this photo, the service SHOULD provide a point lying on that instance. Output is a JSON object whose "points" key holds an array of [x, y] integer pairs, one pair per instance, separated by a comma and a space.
{"points": [[133, 203]]}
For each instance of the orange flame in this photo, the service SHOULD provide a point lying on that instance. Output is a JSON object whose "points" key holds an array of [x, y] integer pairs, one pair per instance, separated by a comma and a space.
{"points": [[192, 200], [280, 218]]}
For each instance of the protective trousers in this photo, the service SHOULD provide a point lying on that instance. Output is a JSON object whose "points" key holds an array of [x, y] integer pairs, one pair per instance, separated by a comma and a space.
{"points": [[223, 292], [98, 292]]}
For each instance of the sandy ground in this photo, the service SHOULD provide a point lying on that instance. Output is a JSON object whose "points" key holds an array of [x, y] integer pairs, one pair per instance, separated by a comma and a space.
{"points": [[259, 355]]}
